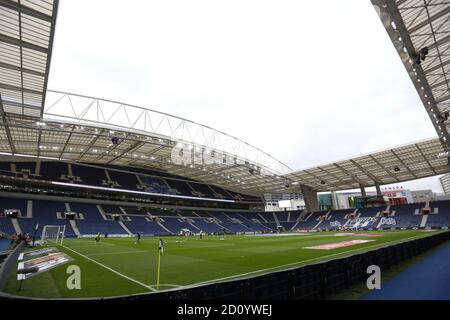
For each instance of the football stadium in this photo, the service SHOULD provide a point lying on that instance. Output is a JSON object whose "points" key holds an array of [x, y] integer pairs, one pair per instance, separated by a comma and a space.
{"points": [[104, 199]]}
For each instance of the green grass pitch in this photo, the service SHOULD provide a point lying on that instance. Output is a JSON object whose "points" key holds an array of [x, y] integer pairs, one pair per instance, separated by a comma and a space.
{"points": [[118, 266]]}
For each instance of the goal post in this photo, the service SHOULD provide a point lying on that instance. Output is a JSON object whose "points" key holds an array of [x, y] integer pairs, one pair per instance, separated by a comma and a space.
{"points": [[53, 234]]}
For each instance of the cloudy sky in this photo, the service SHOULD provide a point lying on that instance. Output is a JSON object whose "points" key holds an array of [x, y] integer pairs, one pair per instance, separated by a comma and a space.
{"points": [[309, 82]]}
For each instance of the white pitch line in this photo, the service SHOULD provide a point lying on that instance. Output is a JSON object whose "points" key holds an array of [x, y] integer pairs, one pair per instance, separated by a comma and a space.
{"points": [[110, 269], [166, 285], [299, 263]]}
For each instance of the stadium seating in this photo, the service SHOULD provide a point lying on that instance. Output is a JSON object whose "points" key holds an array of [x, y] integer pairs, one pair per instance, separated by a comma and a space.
{"points": [[220, 193], [294, 216], [202, 188], [227, 223], [5, 166], [442, 219], [93, 222], [134, 210], [287, 225], [26, 167], [370, 212], [131, 179], [175, 225], [125, 180], [282, 216], [180, 186], [208, 227], [156, 185], [53, 170], [247, 220], [405, 215], [110, 209], [144, 227], [92, 219], [6, 225], [203, 214], [311, 220], [89, 175], [12, 203], [45, 213], [267, 216], [335, 216]]}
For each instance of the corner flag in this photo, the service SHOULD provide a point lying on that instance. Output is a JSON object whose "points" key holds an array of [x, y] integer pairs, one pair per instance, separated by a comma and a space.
{"points": [[160, 252]]}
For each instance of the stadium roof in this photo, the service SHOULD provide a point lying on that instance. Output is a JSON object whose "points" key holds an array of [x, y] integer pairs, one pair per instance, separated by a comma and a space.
{"points": [[413, 161], [27, 28], [413, 26], [82, 129]]}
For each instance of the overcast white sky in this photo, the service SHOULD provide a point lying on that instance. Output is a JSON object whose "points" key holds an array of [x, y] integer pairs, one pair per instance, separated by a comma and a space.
{"points": [[309, 82]]}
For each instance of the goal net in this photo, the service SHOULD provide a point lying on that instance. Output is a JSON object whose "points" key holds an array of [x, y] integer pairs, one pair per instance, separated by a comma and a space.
{"points": [[53, 234]]}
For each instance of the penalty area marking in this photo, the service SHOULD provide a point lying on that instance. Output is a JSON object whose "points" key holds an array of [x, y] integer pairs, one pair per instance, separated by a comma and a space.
{"points": [[111, 269]]}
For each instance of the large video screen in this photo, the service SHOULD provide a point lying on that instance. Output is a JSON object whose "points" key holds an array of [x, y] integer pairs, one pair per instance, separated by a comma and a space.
{"points": [[284, 204]]}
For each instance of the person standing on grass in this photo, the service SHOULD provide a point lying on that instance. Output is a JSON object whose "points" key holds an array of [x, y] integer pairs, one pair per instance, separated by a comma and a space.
{"points": [[97, 238], [138, 238]]}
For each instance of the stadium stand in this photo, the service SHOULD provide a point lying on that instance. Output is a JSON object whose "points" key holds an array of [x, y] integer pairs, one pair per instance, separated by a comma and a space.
{"points": [[294, 216], [311, 220], [94, 175], [134, 211], [144, 226], [370, 212], [442, 217], [226, 222], [125, 180], [157, 185], [334, 216], [180, 186], [407, 215], [93, 222], [91, 219], [5, 166], [110, 209], [25, 167], [207, 226], [45, 213], [13, 203], [282, 216], [176, 224], [6, 225], [53, 171], [202, 188], [89, 175], [116, 177]]}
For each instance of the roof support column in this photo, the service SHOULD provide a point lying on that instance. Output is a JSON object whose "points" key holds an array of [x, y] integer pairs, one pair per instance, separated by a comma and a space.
{"points": [[310, 197], [363, 190], [377, 187], [334, 202]]}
